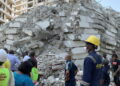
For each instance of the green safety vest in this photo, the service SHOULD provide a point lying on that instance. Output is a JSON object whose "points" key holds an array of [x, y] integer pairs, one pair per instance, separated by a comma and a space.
{"points": [[4, 76], [34, 74]]}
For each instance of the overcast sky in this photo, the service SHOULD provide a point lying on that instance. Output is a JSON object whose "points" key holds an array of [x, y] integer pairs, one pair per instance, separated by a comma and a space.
{"points": [[115, 4]]}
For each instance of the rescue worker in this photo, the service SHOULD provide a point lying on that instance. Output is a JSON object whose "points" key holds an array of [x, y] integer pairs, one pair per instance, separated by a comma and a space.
{"points": [[116, 69], [105, 73], [6, 76], [92, 64], [70, 72]]}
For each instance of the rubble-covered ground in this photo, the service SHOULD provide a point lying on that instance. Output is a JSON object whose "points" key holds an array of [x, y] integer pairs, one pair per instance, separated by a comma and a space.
{"points": [[57, 29]]}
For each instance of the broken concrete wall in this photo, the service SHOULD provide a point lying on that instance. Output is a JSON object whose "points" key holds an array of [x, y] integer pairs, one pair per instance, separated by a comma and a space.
{"points": [[55, 30]]}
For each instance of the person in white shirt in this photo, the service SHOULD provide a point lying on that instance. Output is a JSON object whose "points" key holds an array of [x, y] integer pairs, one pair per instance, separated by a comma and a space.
{"points": [[26, 56]]}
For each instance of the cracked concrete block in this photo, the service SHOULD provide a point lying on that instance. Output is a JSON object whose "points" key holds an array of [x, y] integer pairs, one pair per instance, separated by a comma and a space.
{"points": [[11, 31], [22, 41], [13, 37], [21, 19], [62, 14], [43, 24], [28, 32], [71, 44], [15, 25], [110, 33], [85, 36], [91, 31], [112, 29], [80, 56], [78, 50], [9, 42], [71, 36]]}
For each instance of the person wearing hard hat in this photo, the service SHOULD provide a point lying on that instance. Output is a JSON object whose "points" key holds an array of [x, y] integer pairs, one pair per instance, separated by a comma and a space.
{"points": [[92, 71], [6, 76]]}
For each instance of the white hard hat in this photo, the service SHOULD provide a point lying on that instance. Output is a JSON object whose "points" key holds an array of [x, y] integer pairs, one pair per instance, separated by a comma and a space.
{"points": [[3, 55]]}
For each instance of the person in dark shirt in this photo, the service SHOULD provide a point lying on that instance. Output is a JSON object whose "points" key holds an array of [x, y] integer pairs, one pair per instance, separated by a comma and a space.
{"points": [[116, 69], [70, 72], [105, 73]]}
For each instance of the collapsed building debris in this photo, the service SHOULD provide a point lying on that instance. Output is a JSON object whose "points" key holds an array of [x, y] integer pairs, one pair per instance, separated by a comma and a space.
{"points": [[60, 28]]}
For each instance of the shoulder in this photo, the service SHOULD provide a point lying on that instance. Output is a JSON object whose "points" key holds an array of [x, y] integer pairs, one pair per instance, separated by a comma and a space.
{"points": [[90, 59]]}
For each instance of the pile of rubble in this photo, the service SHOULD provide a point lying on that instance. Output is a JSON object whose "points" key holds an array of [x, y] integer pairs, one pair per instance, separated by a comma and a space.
{"points": [[60, 28]]}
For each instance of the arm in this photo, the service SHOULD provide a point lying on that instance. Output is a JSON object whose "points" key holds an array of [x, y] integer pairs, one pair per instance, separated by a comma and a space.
{"points": [[87, 72]]}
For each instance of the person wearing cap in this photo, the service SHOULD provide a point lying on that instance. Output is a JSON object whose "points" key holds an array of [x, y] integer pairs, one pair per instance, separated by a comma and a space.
{"points": [[92, 70], [6, 76]]}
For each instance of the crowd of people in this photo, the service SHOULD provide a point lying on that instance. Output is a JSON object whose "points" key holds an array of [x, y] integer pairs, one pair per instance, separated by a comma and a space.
{"points": [[14, 72], [96, 69]]}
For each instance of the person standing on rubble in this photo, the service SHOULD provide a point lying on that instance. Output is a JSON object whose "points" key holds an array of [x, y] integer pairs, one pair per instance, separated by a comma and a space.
{"points": [[70, 72], [92, 71], [116, 69], [26, 56], [6, 76], [13, 60], [105, 73]]}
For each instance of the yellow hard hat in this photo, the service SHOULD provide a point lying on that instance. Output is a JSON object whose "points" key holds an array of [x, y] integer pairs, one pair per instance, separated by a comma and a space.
{"points": [[93, 40]]}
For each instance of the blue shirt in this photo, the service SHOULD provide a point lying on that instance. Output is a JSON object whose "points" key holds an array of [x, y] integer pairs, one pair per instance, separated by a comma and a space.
{"points": [[22, 80], [14, 61], [92, 71]]}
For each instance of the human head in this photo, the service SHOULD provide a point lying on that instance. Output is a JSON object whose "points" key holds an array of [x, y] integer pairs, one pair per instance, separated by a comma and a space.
{"points": [[114, 57], [34, 63], [68, 57], [32, 54], [92, 43], [3, 56], [11, 52], [25, 67], [26, 53]]}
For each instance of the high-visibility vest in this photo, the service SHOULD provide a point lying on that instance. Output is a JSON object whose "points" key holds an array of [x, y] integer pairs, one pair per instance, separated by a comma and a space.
{"points": [[34, 74], [4, 76], [7, 64]]}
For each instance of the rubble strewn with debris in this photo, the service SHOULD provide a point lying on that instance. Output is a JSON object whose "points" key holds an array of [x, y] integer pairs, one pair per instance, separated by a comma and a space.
{"points": [[57, 29]]}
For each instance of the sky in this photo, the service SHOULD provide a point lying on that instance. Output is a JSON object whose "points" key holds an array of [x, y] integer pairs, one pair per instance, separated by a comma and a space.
{"points": [[115, 4]]}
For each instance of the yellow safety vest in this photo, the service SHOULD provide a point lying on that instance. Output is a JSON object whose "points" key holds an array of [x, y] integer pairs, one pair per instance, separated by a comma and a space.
{"points": [[7, 64], [4, 76], [34, 74]]}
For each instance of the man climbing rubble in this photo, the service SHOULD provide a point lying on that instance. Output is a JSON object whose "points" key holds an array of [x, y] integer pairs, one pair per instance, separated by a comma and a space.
{"points": [[92, 64], [70, 72]]}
